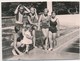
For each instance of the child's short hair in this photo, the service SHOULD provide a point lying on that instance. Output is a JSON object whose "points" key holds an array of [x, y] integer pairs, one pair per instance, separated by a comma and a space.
{"points": [[16, 28], [32, 8]]}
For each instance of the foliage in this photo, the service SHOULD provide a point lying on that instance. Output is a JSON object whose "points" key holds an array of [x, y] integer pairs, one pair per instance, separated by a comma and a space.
{"points": [[8, 8]]}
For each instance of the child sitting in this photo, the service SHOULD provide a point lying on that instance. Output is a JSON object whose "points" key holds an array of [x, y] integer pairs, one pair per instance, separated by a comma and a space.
{"points": [[18, 47]]}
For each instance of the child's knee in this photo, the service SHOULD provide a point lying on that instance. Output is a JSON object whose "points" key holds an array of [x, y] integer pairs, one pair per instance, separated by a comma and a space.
{"points": [[14, 52]]}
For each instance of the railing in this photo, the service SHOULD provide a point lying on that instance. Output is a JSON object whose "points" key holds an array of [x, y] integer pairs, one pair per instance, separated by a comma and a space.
{"points": [[8, 21], [7, 17]]}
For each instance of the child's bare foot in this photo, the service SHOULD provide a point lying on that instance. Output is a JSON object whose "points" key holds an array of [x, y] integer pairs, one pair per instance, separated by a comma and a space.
{"points": [[26, 52], [14, 53], [50, 49]]}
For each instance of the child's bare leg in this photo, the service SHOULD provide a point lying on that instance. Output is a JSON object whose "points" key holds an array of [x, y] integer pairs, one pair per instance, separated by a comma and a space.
{"points": [[54, 39], [45, 32], [14, 52], [34, 39], [46, 43], [27, 48], [50, 41]]}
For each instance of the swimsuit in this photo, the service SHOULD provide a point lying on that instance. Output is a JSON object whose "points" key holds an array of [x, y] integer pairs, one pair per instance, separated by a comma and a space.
{"points": [[45, 21], [53, 27], [34, 20]]}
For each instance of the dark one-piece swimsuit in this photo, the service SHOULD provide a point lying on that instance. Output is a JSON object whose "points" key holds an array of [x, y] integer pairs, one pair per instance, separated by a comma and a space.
{"points": [[53, 27]]}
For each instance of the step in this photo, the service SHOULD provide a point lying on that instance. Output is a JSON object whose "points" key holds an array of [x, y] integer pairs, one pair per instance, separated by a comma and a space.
{"points": [[67, 39]]}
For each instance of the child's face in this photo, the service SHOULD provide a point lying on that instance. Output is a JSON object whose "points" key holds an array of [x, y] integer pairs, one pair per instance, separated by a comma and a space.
{"points": [[32, 10], [21, 9], [45, 12], [53, 14]]}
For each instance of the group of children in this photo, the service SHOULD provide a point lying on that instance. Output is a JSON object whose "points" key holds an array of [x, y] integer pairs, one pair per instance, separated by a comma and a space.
{"points": [[27, 21]]}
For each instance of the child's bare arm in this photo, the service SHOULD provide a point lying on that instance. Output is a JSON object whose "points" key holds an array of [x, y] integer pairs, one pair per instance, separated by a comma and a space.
{"points": [[39, 22], [36, 16], [58, 27], [29, 19], [16, 11], [27, 9]]}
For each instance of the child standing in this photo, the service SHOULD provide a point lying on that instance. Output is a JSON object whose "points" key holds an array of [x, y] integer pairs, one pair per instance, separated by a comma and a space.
{"points": [[53, 30]]}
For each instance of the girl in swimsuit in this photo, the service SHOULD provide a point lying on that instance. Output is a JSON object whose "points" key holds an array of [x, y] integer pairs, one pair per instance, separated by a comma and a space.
{"points": [[44, 23], [20, 11], [53, 29], [33, 19]]}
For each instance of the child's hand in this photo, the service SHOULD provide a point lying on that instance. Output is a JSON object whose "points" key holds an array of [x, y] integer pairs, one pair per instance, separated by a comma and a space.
{"points": [[29, 37]]}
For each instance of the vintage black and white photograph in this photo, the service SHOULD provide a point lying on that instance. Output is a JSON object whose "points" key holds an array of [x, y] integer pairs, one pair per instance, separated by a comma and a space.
{"points": [[40, 30]]}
